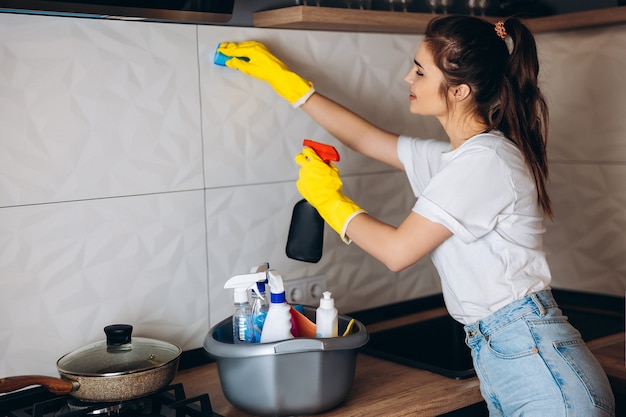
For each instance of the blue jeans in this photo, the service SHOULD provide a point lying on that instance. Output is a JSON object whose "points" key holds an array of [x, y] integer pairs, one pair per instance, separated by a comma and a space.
{"points": [[531, 362]]}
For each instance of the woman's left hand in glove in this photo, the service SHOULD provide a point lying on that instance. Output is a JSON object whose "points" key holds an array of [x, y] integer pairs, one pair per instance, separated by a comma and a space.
{"points": [[321, 186]]}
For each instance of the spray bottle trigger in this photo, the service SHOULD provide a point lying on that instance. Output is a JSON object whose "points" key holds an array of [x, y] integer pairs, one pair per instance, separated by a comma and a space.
{"points": [[258, 269], [246, 280], [326, 152]]}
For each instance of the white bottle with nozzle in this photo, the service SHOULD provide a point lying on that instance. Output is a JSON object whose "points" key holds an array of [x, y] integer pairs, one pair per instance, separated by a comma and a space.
{"points": [[326, 317], [243, 330], [278, 320]]}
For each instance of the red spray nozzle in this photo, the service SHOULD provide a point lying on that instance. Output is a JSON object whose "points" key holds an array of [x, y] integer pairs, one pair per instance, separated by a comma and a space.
{"points": [[326, 152]]}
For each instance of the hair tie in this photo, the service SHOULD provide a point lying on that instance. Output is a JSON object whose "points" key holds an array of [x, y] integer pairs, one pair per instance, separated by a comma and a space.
{"points": [[500, 30]]}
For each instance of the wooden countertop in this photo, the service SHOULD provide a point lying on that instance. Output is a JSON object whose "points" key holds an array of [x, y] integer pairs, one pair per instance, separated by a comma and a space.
{"points": [[610, 352], [384, 388], [381, 388]]}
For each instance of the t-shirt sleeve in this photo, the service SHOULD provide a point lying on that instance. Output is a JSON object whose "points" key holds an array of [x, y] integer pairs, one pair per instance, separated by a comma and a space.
{"points": [[468, 194], [421, 159]]}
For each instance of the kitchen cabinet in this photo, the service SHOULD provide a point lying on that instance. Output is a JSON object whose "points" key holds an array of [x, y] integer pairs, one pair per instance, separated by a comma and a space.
{"points": [[356, 20]]}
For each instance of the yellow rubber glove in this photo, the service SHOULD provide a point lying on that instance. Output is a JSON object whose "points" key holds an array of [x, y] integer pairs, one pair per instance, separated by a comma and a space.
{"points": [[320, 185], [265, 66]]}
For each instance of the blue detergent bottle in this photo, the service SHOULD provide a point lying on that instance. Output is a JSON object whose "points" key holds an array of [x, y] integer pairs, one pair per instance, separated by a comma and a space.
{"points": [[259, 302]]}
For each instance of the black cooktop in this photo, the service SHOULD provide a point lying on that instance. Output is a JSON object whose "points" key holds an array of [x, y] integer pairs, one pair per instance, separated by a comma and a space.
{"points": [[438, 344]]}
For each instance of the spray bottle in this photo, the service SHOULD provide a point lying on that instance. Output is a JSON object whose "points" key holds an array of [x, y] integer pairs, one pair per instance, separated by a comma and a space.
{"points": [[306, 231], [259, 302], [277, 324], [278, 321], [243, 329]]}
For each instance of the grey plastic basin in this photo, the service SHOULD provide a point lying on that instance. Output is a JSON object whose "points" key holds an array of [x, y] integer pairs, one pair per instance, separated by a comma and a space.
{"points": [[290, 377]]}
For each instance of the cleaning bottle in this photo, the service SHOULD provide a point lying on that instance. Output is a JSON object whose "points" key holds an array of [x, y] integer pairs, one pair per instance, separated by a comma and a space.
{"points": [[305, 240], [326, 317], [259, 302], [278, 320], [243, 330]]}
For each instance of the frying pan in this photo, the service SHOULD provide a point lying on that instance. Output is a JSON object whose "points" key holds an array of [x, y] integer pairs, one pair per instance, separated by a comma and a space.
{"points": [[120, 368]]}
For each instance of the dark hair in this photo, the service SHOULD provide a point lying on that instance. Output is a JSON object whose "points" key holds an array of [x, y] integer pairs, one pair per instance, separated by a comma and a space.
{"points": [[504, 85]]}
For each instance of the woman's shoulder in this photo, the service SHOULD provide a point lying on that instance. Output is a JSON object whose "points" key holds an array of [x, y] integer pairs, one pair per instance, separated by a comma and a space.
{"points": [[495, 146], [493, 141], [416, 142]]}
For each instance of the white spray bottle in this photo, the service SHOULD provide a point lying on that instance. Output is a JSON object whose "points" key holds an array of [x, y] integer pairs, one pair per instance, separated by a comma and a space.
{"points": [[243, 329], [278, 321]]}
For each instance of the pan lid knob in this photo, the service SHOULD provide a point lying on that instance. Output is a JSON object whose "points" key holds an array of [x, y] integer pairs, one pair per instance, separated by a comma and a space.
{"points": [[118, 335]]}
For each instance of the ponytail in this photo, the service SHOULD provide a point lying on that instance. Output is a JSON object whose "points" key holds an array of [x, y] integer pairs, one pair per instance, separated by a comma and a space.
{"points": [[524, 110], [469, 50]]}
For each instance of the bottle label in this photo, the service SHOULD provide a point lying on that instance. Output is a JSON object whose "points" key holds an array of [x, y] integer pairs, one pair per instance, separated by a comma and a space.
{"points": [[242, 330]]}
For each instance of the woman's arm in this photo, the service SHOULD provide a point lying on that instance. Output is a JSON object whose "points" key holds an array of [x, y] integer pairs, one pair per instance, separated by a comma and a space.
{"points": [[254, 59], [352, 130], [401, 247]]}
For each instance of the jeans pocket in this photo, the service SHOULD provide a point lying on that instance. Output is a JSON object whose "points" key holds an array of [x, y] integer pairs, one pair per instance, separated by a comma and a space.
{"points": [[512, 341], [586, 367]]}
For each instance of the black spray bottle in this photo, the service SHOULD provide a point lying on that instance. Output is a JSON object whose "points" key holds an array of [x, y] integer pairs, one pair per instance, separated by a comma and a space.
{"points": [[306, 231]]}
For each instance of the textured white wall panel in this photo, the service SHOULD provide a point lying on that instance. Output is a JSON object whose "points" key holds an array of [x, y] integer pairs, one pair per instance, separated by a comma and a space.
{"points": [[585, 84], [96, 108], [586, 243], [70, 269]]}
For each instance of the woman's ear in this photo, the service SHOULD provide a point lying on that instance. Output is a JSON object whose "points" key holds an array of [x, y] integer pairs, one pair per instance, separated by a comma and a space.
{"points": [[460, 92]]}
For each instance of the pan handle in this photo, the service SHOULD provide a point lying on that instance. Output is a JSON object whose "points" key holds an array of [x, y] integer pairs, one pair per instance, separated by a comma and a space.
{"points": [[54, 385]]}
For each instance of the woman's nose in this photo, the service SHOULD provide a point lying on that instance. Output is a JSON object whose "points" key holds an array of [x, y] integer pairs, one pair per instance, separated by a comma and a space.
{"points": [[408, 77]]}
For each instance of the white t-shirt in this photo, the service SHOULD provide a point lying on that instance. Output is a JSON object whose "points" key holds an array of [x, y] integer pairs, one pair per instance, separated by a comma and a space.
{"points": [[484, 193]]}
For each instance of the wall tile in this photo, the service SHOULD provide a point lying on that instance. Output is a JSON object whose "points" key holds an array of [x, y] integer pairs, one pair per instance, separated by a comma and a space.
{"points": [[585, 244], [69, 269], [584, 81], [96, 108]]}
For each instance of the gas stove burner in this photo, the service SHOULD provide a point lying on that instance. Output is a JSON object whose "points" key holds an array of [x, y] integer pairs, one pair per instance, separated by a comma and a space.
{"points": [[167, 402], [75, 406]]}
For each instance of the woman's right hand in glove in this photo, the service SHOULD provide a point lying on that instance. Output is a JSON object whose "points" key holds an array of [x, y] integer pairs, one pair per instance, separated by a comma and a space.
{"points": [[261, 64]]}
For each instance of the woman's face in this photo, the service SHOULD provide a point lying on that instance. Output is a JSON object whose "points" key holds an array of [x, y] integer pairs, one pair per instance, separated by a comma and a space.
{"points": [[425, 80]]}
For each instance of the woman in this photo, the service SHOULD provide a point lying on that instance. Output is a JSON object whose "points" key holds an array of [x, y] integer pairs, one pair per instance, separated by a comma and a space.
{"points": [[480, 207]]}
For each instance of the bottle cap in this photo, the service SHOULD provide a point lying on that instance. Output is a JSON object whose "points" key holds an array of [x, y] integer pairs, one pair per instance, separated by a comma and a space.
{"points": [[241, 295], [327, 301]]}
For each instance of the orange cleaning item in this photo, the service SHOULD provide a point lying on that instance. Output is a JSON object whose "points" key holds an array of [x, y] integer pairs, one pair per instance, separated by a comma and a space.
{"points": [[306, 328]]}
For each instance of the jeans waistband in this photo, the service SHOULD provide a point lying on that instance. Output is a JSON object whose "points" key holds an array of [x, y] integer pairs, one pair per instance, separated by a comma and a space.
{"points": [[539, 301]]}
